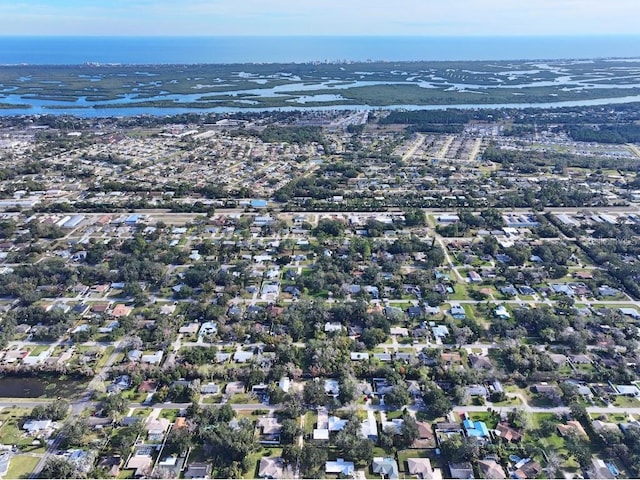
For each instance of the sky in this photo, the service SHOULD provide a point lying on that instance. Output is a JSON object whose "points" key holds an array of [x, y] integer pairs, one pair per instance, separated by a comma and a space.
{"points": [[320, 17]]}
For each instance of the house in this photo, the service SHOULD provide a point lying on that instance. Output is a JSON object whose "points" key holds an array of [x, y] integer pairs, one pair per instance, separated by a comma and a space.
{"points": [[475, 429], [476, 390], [121, 310], [82, 460], [332, 327], [336, 424], [358, 356], [383, 357], [157, 428], [134, 355], [530, 469], [269, 426], [148, 386], [190, 329], [5, 459], [141, 463], [426, 437], [509, 433], [111, 464], [152, 358], [606, 291], [198, 470], [509, 291], [474, 277], [461, 470], [284, 384], [421, 467], [550, 391], [491, 469], [128, 421], [167, 309], [369, 427], [120, 383], [36, 426], [457, 312], [599, 425], [209, 389], [270, 467], [501, 312], [241, 356], [234, 387], [600, 469], [331, 387], [580, 359], [627, 390], [448, 218], [321, 434], [182, 422], [386, 467], [559, 359], [208, 328], [394, 426], [339, 467], [439, 332], [480, 363]]}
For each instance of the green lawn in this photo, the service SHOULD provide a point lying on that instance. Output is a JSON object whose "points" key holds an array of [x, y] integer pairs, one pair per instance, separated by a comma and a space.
{"points": [[38, 350], [170, 414], [21, 466], [126, 473], [242, 398], [538, 418], [142, 412], [460, 292], [105, 356], [310, 419], [626, 402], [10, 433]]}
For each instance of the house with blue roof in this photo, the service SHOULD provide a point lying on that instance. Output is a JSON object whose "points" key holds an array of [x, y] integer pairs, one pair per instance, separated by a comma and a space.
{"points": [[258, 203], [475, 429], [457, 312]]}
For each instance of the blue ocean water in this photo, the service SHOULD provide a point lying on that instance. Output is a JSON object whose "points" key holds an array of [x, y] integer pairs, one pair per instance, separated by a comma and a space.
{"points": [[185, 50]]}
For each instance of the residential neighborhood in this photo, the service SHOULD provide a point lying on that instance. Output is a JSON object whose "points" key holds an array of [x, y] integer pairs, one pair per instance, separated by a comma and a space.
{"points": [[318, 295]]}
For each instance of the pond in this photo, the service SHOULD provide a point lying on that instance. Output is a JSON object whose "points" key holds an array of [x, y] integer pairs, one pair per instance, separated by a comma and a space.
{"points": [[34, 387]]}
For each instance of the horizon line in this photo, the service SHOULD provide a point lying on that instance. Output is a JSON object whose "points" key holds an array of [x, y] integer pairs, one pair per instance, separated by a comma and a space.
{"points": [[394, 35]]}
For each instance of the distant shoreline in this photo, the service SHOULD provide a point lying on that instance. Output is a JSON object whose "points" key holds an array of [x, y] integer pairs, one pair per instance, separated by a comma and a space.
{"points": [[164, 89], [145, 50]]}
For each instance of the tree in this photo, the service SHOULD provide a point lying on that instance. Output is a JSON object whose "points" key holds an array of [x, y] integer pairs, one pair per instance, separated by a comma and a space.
{"points": [[73, 433], [579, 449], [115, 404], [519, 418], [435, 401], [314, 394], [178, 440], [57, 467], [289, 431], [386, 439], [397, 397], [351, 445], [408, 433], [459, 449], [291, 454], [372, 337], [347, 391], [313, 459]]}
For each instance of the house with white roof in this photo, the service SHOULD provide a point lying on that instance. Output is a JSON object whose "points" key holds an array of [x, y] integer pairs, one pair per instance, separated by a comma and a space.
{"points": [[153, 359]]}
